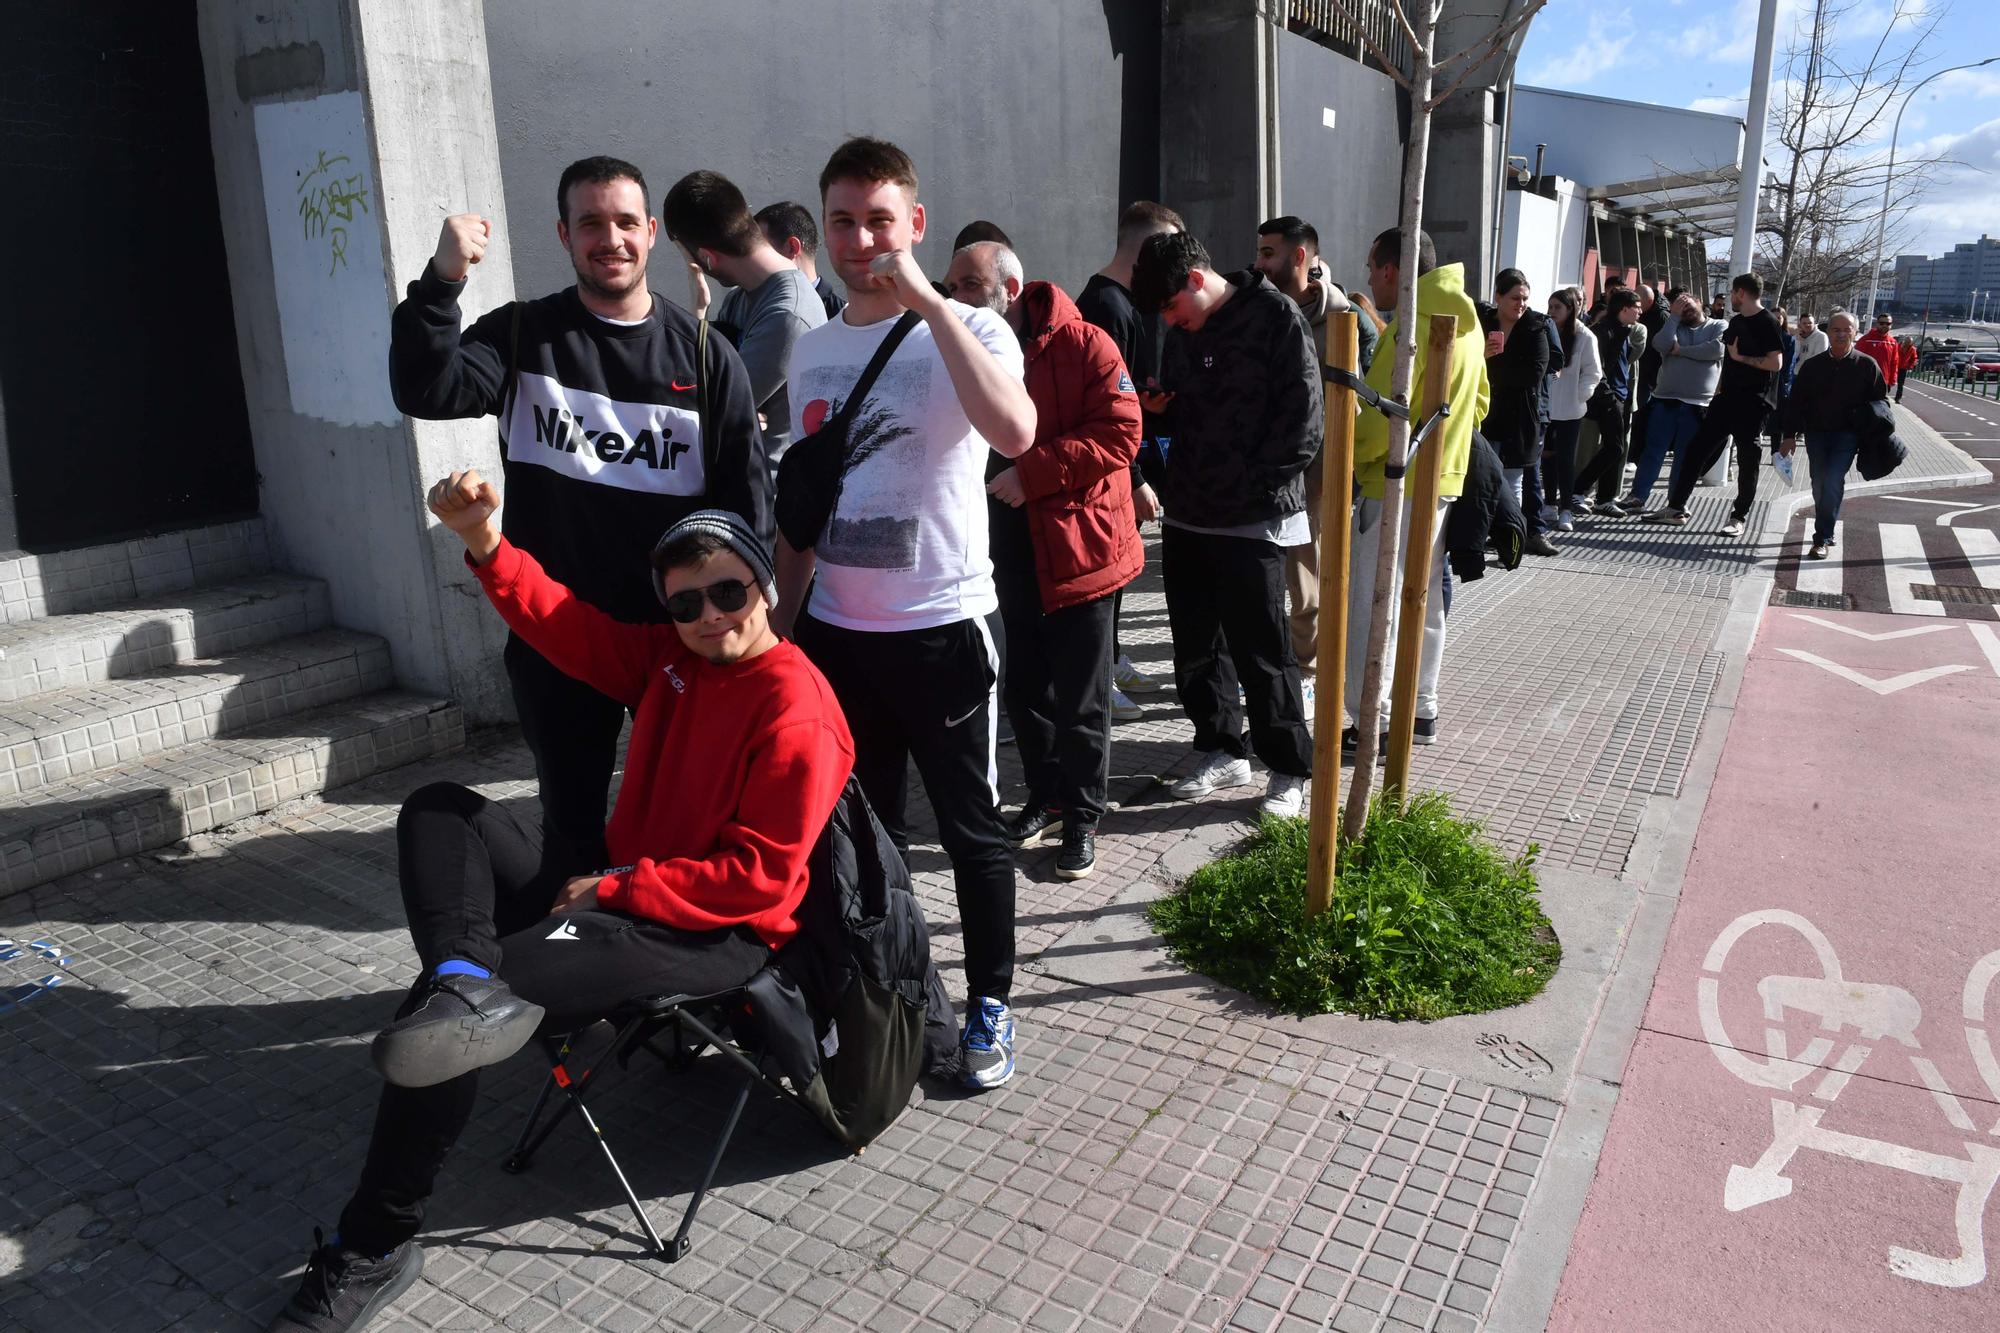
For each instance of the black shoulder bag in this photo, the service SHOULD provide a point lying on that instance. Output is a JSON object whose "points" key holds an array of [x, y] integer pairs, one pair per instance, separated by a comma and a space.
{"points": [[809, 473]]}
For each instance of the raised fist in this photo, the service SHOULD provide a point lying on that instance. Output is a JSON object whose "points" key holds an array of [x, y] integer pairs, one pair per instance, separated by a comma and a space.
{"points": [[461, 243], [464, 501], [897, 271]]}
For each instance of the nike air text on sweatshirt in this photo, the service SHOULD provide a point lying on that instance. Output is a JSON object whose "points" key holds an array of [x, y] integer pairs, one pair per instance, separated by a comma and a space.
{"points": [[603, 443]]}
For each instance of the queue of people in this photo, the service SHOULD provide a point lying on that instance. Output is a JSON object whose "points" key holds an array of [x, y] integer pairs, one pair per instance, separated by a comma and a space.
{"points": [[796, 532]]}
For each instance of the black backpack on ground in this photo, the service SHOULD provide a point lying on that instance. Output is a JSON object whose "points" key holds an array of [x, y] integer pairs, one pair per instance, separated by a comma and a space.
{"points": [[852, 1009]]}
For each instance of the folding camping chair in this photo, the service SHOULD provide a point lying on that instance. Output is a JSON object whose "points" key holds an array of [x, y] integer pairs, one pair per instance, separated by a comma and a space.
{"points": [[860, 943], [637, 1024]]}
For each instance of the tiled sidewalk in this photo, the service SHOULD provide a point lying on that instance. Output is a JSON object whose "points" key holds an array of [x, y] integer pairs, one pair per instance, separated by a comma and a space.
{"points": [[192, 1100]]}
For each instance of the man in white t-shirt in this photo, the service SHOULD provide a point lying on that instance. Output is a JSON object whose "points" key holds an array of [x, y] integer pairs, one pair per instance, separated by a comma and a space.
{"points": [[903, 615]]}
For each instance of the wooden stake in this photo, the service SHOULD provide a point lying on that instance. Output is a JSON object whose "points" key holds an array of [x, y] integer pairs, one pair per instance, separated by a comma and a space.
{"points": [[1336, 541], [1417, 560]]}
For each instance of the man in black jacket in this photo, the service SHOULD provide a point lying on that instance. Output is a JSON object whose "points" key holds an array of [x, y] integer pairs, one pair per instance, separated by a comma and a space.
{"points": [[611, 431], [1243, 404]]}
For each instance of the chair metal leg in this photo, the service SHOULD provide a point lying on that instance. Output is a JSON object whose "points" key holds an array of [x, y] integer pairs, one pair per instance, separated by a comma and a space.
{"points": [[638, 1209], [635, 1032], [681, 1241], [523, 1152]]}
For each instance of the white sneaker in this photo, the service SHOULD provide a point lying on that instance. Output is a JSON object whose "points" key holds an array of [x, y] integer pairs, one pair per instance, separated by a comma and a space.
{"points": [[1132, 680], [1123, 709], [1286, 797], [1216, 770], [1564, 521]]}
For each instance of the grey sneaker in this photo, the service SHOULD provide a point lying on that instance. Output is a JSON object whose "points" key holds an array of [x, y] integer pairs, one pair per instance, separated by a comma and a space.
{"points": [[986, 1046], [1733, 528], [342, 1291], [1286, 797], [1216, 769], [1130, 679], [1123, 709]]}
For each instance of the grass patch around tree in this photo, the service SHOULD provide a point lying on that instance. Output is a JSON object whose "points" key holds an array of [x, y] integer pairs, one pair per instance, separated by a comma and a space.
{"points": [[1428, 920]]}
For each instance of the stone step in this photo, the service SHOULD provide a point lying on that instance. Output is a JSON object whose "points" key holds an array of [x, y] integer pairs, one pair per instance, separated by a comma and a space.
{"points": [[92, 577], [83, 647], [68, 733], [161, 800]]}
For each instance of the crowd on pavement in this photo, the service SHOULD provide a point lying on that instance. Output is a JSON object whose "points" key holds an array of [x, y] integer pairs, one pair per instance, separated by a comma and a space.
{"points": [[800, 534]]}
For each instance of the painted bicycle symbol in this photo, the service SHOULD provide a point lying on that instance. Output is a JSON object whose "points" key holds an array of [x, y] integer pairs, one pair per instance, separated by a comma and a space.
{"points": [[1863, 1015]]}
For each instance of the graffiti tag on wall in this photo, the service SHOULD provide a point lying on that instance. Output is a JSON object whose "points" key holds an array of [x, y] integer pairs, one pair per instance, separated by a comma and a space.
{"points": [[329, 193]]}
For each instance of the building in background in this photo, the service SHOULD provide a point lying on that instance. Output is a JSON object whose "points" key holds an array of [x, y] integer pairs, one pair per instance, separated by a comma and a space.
{"points": [[1597, 186], [1949, 285]]}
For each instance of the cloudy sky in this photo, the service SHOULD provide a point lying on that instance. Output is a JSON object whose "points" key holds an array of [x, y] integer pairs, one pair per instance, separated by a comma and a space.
{"points": [[1697, 53]]}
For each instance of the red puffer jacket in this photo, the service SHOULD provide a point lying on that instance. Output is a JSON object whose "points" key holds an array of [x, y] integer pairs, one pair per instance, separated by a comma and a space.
{"points": [[1885, 352], [1077, 474]]}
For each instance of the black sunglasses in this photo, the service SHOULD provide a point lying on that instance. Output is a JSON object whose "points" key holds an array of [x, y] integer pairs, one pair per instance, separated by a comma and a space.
{"points": [[726, 595]]}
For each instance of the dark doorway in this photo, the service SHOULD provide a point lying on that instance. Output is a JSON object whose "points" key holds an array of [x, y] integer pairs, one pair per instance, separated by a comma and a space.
{"points": [[121, 397]]}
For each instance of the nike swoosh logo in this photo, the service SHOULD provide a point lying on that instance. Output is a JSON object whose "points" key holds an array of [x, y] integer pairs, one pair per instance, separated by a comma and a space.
{"points": [[954, 721], [679, 387]]}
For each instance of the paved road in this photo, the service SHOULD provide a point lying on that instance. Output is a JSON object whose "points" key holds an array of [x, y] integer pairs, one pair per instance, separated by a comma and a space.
{"points": [[1930, 553], [1804, 1138]]}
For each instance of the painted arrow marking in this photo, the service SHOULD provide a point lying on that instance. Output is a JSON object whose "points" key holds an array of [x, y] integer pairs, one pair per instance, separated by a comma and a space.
{"points": [[1883, 637], [1889, 686], [1989, 643]]}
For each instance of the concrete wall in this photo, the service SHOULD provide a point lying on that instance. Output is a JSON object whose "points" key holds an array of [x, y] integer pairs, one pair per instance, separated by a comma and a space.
{"points": [[1346, 179], [1545, 237], [365, 85], [1013, 113]]}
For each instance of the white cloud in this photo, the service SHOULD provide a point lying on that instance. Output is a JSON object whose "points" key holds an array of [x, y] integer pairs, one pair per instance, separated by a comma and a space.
{"points": [[1737, 106], [1602, 47], [1732, 39], [1963, 203]]}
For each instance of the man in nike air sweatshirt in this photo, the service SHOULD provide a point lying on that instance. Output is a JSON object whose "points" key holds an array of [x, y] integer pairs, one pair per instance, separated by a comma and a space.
{"points": [[612, 429]]}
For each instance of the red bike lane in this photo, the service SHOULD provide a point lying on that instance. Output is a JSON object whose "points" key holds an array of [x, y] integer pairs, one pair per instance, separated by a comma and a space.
{"points": [[1808, 1132]]}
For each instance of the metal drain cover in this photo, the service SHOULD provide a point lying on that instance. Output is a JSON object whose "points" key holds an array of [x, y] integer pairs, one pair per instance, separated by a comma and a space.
{"points": [[1951, 592], [1824, 601]]}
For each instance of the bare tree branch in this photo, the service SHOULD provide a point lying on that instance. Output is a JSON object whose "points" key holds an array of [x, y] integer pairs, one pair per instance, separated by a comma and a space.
{"points": [[1368, 43]]}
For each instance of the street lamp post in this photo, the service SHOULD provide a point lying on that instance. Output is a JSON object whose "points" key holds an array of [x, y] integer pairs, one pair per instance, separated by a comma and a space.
{"points": [[1888, 176]]}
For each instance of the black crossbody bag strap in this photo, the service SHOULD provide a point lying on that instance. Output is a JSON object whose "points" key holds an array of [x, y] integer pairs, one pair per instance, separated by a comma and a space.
{"points": [[513, 383], [709, 444], [848, 409]]}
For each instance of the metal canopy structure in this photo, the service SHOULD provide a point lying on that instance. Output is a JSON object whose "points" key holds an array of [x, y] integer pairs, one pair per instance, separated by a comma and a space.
{"points": [[1700, 202]]}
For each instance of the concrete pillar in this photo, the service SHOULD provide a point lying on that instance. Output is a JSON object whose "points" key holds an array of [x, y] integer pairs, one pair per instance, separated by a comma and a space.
{"points": [[1213, 122], [344, 131], [1461, 183]]}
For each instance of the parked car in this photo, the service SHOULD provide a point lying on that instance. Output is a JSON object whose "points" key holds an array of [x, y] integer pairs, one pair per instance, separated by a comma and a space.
{"points": [[1983, 368], [1959, 361]]}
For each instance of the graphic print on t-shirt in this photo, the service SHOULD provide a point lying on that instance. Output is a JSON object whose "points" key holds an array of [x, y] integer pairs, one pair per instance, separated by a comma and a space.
{"points": [[875, 518], [650, 447]]}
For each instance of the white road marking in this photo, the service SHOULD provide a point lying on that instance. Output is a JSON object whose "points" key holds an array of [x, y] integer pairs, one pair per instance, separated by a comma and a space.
{"points": [[1920, 500], [1989, 644], [1883, 637], [1888, 685], [1824, 575], [1874, 1011], [1982, 552], [1903, 565]]}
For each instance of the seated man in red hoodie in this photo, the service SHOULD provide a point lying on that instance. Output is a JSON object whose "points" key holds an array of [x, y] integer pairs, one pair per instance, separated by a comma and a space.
{"points": [[1063, 541], [738, 755]]}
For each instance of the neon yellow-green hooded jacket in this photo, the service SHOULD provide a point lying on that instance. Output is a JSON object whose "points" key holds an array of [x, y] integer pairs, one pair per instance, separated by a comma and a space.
{"points": [[1439, 292]]}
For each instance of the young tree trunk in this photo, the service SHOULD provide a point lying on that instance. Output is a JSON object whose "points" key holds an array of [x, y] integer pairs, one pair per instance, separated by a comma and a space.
{"points": [[1369, 716]]}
